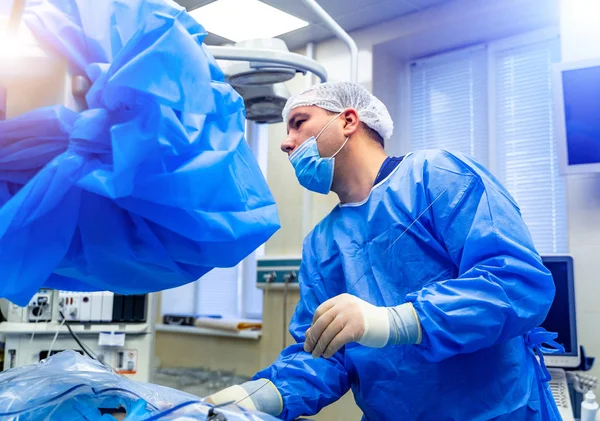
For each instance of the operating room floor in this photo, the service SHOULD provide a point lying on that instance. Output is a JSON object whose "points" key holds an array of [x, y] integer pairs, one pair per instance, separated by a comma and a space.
{"points": [[197, 381]]}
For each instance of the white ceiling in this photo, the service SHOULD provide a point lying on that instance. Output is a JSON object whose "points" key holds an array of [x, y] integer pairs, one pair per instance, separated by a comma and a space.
{"points": [[349, 14]]}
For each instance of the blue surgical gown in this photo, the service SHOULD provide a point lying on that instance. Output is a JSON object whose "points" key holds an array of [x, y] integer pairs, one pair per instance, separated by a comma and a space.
{"points": [[442, 233]]}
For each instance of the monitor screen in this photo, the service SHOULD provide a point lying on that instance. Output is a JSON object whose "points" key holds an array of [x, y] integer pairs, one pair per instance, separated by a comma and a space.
{"points": [[561, 317], [581, 100]]}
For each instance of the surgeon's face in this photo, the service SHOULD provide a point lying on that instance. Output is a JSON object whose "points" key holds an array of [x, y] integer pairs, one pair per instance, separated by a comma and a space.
{"points": [[305, 122]]}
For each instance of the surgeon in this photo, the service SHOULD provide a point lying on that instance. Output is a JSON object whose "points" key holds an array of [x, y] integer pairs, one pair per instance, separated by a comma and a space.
{"points": [[421, 291]]}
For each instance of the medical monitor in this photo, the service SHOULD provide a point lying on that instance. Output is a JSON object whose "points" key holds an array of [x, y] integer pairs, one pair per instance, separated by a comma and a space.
{"points": [[561, 317], [576, 87]]}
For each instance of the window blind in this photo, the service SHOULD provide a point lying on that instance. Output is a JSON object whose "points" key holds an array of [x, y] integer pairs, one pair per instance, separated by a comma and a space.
{"points": [[449, 103], [526, 144]]}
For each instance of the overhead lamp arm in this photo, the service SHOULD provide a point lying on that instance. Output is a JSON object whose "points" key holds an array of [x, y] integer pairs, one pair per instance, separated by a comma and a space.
{"points": [[340, 33], [293, 60]]}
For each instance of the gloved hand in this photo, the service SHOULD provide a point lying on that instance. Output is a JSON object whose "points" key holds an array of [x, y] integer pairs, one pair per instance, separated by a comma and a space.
{"points": [[346, 318], [257, 395]]}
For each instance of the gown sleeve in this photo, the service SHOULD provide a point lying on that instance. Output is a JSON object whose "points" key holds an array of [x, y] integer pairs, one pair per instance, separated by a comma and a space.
{"points": [[307, 384], [502, 289]]}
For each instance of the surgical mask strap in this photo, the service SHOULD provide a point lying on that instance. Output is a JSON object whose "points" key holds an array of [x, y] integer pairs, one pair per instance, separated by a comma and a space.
{"points": [[305, 144], [341, 147], [327, 125]]}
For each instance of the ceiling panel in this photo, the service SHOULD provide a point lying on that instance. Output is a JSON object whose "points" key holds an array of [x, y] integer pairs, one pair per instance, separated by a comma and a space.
{"points": [[371, 14], [424, 4], [333, 7], [349, 14]]}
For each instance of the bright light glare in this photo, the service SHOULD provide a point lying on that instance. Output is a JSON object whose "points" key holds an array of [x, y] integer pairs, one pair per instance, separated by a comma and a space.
{"points": [[579, 29], [240, 20], [14, 44], [10, 46], [580, 12], [5, 7]]}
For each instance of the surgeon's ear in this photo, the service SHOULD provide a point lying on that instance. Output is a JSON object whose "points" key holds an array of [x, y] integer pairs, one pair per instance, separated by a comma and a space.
{"points": [[351, 122]]}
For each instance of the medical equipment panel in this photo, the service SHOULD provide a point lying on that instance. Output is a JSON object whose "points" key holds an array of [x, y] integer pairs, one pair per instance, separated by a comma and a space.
{"points": [[116, 330]]}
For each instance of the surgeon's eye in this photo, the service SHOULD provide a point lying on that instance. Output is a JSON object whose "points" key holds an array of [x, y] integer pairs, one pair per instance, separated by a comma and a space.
{"points": [[299, 123]]}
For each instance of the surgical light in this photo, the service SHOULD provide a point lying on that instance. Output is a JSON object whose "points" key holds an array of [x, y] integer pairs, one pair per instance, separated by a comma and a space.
{"points": [[240, 20]]}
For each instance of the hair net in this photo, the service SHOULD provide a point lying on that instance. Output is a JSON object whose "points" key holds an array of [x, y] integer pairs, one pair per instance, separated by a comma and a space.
{"points": [[338, 96]]}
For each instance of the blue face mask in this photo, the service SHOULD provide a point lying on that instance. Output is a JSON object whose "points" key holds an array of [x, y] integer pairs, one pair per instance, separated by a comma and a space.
{"points": [[313, 171]]}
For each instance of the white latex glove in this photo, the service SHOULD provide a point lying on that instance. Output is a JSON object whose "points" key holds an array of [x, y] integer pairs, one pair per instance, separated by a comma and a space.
{"points": [[346, 318], [257, 395]]}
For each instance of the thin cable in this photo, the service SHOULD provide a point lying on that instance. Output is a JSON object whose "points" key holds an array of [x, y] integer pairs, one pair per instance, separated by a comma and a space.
{"points": [[362, 276], [284, 318], [90, 353], [84, 348], [402, 235], [34, 329], [269, 279], [55, 337], [279, 371]]}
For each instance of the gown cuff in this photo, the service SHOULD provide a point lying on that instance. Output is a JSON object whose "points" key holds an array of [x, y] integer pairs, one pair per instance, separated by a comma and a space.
{"points": [[405, 328], [264, 395]]}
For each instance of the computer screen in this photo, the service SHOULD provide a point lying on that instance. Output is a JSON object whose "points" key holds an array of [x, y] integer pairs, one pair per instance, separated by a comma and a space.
{"points": [[581, 96], [576, 91], [561, 317]]}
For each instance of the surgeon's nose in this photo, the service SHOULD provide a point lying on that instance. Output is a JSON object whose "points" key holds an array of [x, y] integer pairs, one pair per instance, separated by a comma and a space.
{"points": [[288, 145]]}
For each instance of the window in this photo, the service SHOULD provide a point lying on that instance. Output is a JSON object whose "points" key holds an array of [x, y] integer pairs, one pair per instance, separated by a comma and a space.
{"points": [[499, 96], [526, 159], [213, 294], [449, 103], [228, 292]]}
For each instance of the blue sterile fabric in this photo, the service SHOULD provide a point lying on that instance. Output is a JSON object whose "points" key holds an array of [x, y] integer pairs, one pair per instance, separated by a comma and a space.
{"points": [[152, 185], [70, 387]]}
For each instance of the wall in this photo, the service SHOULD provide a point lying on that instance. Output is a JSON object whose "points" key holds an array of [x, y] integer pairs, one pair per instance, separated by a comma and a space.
{"points": [[288, 194], [242, 356], [382, 50], [580, 40]]}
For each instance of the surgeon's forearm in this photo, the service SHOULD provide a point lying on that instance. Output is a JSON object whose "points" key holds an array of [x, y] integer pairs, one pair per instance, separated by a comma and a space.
{"points": [[265, 396], [385, 326], [257, 395], [405, 327]]}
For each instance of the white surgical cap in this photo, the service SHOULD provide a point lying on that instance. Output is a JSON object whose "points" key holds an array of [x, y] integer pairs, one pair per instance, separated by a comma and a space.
{"points": [[339, 96]]}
